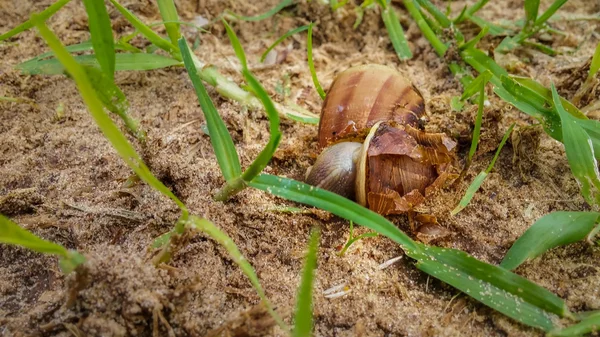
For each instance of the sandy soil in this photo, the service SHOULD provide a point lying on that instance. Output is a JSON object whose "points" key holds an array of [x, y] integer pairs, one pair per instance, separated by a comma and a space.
{"points": [[60, 178]]}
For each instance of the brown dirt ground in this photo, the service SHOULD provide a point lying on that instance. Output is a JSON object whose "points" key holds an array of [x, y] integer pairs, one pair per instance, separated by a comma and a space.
{"points": [[60, 178]]}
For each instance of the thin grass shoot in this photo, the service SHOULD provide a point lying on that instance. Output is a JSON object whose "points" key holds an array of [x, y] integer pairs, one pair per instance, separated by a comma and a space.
{"points": [[311, 63], [472, 189], [303, 316]]}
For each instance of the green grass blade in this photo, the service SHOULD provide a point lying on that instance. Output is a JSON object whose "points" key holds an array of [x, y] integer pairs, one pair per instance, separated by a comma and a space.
{"points": [[148, 33], [476, 85], [74, 48], [595, 65], [435, 26], [439, 47], [102, 36], [472, 189], [311, 63], [220, 138], [592, 127], [470, 193], [549, 12], [263, 158], [478, 120], [541, 47], [553, 230], [509, 43], [124, 61], [580, 153], [494, 29], [168, 12], [263, 96], [235, 43], [44, 15], [13, 234], [392, 24], [474, 41], [587, 326], [108, 128], [266, 154], [331, 202], [476, 7], [523, 98], [531, 12], [537, 89], [304, 311], [438, 15], [502, 143], [114, 100], [224, 240], [283, 4], [493, 286], [516, 293], [280, 39], [481, 62]]}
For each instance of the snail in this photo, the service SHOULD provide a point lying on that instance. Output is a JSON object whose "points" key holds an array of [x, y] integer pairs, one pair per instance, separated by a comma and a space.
{"points": [[374, 149]]}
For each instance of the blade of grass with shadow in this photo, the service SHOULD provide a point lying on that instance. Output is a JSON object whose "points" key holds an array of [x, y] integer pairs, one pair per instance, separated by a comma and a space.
{"points": [[493, 286], [44, 15], [303, 317], [552, 230], [102, 37], [500, 289], [220, 138], [260, 162], [13, 234]]}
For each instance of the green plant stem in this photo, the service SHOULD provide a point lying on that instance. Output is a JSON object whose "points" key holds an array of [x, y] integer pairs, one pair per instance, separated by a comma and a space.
{"points": [[437, 44], [476, 7], [392, 24], [230, 188], [436, 13], [311, 63]]}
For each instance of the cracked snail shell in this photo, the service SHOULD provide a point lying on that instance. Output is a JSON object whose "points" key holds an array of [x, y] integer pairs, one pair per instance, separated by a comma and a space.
{"points": [[374, 150]]}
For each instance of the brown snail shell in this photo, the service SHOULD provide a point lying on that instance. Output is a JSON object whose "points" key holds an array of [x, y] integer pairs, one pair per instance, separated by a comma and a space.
{"points": [[399, 165]]}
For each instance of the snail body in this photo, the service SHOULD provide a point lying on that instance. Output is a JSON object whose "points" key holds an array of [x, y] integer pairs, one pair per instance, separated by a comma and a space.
{"points": [[374, 151]]}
